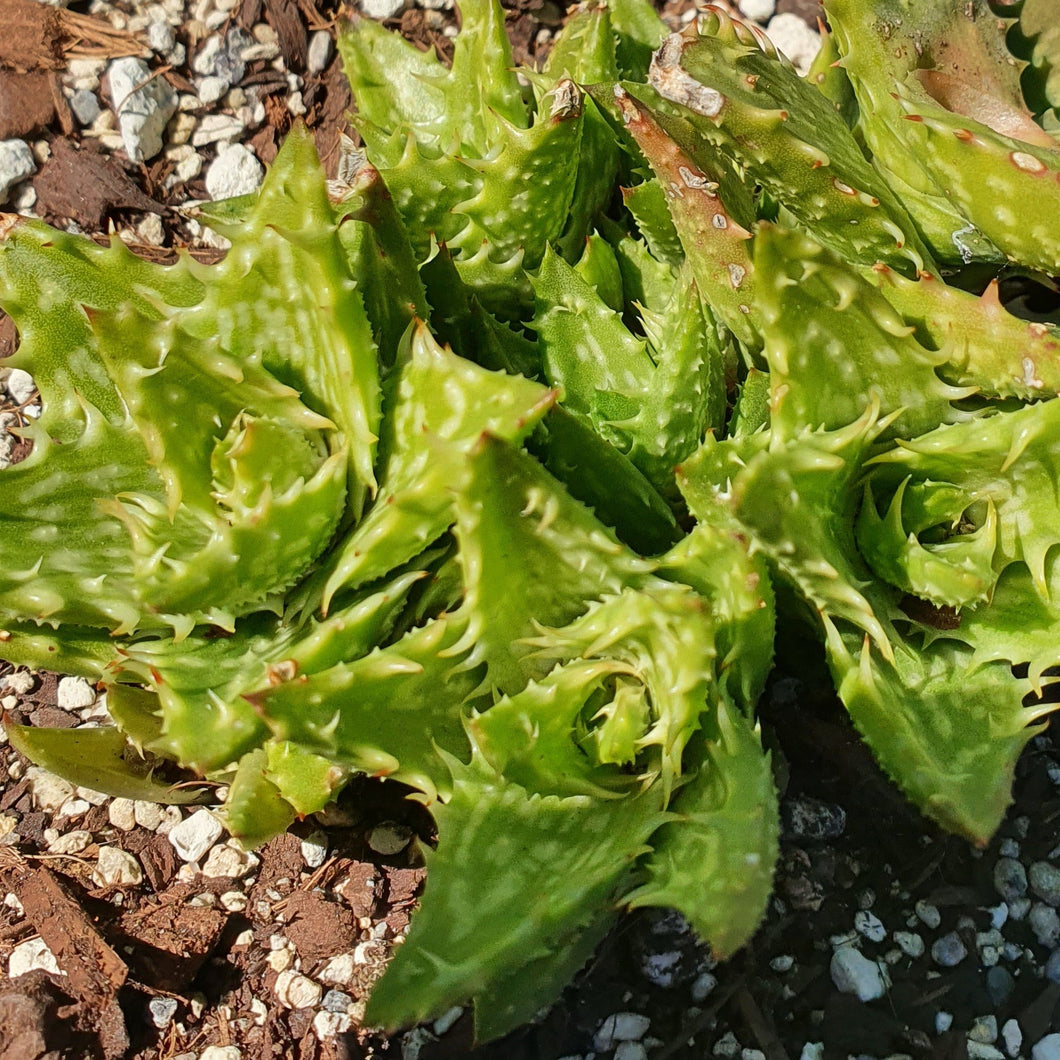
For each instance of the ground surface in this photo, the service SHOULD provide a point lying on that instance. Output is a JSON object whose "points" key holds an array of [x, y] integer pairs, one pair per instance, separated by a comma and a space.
{"points": [[127, 930]]}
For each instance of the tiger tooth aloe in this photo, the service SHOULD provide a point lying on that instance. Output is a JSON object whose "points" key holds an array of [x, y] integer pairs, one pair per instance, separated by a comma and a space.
{"points": [[481, 466]]}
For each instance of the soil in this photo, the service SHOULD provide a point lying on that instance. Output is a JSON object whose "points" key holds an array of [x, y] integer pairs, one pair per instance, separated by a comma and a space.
{"points": [[272, 956]]}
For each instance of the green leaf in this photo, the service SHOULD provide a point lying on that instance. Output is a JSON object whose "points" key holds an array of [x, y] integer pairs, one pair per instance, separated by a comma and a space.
{"points": [[100, 759], [547, 866]]}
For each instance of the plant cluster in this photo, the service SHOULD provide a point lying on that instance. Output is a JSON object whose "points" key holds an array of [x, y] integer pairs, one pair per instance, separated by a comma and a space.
{"points": [[490, 466]]}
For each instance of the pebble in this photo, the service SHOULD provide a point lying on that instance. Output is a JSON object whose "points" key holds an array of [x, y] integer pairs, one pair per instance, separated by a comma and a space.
{"points": [[71, 842], [162, 1009], [999, 985], [295, 990], [148, 814], [85, 105], [928, 915], [235, 171], [319, 51], [703, 986], [808, 818], [116, 868], [620, 1027], [331, 1024], [144, 105], [382, 9], [726, 1045], [49, 791], [195, 835], [221, 1052], [812, 1051], [1045, 923], [1052, 967], [983, 1029], [1010, 878], [389, 839], [943, 1021], [1045, 882], [315, 849], [29, 956], [1047, 1048], [16, 164], [948, 951], [758, 10], [229, 861], [794, 39], [1012, 1037], [74, 808], [21, 681], [784, 963], [161, 37], [910, 943], [75, 693], [853, 973], [339, 969], [983, 1051], [215, 128], [869, 925]]}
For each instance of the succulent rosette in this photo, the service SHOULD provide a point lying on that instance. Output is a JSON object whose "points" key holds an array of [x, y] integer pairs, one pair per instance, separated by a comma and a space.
{"points": [[490, 466]]}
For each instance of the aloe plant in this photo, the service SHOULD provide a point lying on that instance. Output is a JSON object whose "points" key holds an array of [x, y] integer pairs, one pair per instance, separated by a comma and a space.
{"points": [[480, 467]]}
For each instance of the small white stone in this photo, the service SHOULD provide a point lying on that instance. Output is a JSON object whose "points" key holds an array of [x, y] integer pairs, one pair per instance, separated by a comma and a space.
{"points": [[784, 963], [71, 842], [116, 868], [703, 986], [620, 1027], [315, 849], [319, 51], [983, 1051], [758, 10], [85, 105], [234, 901], [630, 1051], [74, 808], [928, 914], [726, 1045], [983, 1029], [75, 693], [161, 37], [869, 925], [295, 104], [339, 969], [943, 1021], [812, 1051], [211, 89], [29, 956], [228, 860], [389, 839], [235, 171], [49, 791], [195, 835], [382, 9], [444, 1023], [295, 990], [16, 164], [221, 1052], [147, 814], [144, 104], [1012, 1036], [20, 385], [280, 960], [794, 39], [1048, 1048], [911, 944], [853, 973], [216, 128], [331, 1024]]}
